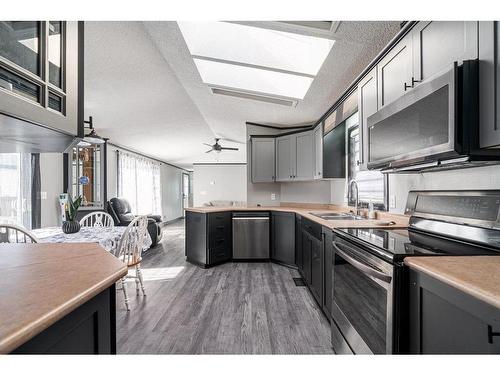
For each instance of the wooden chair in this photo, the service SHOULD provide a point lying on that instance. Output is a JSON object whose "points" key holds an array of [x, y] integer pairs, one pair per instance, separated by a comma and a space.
{"points": [[97, 219], [129, 251], [12, 233]]}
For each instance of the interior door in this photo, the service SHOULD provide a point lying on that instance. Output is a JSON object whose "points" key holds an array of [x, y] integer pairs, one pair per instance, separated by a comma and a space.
{"points": [[185, 190]]}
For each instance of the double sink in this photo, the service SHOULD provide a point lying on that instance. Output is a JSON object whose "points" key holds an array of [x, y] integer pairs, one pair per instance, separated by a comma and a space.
{"points": [[337, 216]]}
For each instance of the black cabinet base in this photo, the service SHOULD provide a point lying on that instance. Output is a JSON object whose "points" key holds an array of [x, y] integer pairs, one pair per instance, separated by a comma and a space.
{"points": [[90, 329]]}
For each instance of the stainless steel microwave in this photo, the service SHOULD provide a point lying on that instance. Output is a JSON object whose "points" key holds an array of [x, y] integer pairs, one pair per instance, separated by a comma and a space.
{"points": [[436, 120]]}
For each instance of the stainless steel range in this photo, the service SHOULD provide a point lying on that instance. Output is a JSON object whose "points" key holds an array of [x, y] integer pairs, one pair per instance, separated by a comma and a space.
{"points": [[369, 291]]}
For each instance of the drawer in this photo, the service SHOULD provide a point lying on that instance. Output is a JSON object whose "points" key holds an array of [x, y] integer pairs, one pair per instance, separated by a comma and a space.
{"points": [[219, 254], [219, 222], [312, 228]]}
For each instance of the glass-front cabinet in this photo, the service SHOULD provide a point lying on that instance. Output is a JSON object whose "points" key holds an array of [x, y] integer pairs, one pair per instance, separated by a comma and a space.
{"points": [[39, 72], [86, 174]]}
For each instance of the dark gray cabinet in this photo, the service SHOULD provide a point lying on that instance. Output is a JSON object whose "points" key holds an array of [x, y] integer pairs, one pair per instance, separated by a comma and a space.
{"points": [[312, 258], [283, 237], [298, 243], [489, 84], [334, 153], [208, 237], [445, 320], [263, 159], [327, 271], [89, 329]]}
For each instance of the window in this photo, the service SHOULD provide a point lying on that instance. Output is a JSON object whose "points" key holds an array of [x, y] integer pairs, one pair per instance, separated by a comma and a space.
{"points": [[255, 59], [372, 185], [86, 173], [139, 183], [15, 189]]}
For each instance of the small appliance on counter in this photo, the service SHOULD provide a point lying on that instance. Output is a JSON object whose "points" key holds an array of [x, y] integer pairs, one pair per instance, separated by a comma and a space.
{"points": [[369, 279]]}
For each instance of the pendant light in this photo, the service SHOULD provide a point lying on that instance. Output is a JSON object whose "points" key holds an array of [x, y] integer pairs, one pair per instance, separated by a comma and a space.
{"points": [[92, 137]]}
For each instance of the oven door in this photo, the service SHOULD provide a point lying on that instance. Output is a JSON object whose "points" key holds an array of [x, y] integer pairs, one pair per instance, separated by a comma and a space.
{"points": [[362, 299], [418, 127]]}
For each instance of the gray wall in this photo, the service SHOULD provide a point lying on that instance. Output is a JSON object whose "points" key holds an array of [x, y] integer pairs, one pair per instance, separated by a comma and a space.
{"points": [[219, 182], [51, 174]]}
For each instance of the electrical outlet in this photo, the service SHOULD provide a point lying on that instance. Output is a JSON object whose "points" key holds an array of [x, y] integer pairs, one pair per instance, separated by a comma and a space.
{"points": [[273, 196], [392, 201], [43, 195]]}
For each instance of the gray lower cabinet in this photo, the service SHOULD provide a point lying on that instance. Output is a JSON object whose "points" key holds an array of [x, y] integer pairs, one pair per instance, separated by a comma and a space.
{"points": [[327, 271], [263, 159], [445, 320], [283, 237], [489, 84], [208, 237], [438, 44]]}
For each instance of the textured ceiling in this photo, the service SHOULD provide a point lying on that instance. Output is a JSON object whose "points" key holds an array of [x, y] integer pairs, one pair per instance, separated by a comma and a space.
{"points": [[144, 91]]}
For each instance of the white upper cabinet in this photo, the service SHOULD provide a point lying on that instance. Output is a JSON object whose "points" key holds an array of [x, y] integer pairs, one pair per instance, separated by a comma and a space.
{"points": [[318, 152], [367, 106], [39, 63], [489, 84], [284, 170], [438, 44], [304, 156], [263, 160], [395, 72]]}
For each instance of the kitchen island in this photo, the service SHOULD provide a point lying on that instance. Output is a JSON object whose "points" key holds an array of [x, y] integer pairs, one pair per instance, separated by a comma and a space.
{"points": [[58, 298]]}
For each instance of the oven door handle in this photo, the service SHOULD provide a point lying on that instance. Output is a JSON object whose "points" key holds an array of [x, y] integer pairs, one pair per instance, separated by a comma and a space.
{"points": [[361, 266]]}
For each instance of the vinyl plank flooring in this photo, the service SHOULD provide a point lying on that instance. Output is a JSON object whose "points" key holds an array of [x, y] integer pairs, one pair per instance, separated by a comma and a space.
{"points": [[233, 308]]}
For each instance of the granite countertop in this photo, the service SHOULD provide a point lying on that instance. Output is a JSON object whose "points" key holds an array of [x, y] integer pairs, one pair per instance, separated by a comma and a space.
{"points": [[383, 218], [478, 276], [42, 283]]}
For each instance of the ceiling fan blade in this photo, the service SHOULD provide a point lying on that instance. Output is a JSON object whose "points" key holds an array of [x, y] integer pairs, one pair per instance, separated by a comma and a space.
{"points": [[206, 152], [229, 148], [232, 140], [206, 144]]}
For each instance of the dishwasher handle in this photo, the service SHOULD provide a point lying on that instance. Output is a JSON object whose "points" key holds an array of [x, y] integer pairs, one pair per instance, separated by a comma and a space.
{"points": [[251, 218]]}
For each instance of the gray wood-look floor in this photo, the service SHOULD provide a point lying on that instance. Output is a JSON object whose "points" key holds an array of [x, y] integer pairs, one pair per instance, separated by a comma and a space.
{"points": [[234, 308]]}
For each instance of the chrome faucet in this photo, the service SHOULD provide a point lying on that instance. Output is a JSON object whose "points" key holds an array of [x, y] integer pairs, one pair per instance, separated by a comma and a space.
{"points": [[356, 198]]}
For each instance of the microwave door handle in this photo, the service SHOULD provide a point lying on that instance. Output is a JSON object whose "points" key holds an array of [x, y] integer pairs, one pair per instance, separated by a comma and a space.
{"points": [[361, 266]]}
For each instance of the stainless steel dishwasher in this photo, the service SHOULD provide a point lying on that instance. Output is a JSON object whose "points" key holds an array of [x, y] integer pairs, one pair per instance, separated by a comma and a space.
{"points": [[250, 235]]}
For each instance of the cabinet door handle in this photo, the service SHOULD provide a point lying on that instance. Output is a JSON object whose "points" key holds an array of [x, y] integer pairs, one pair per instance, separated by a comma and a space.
{"points": [[413, 81], [491, 334], [408, 86]]}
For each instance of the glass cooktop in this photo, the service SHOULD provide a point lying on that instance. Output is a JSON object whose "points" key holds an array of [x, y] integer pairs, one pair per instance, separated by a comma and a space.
{"points": [[395, 244]]}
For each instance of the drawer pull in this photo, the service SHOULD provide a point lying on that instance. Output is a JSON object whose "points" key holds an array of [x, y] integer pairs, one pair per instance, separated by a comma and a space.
{"points": [[491, 334], [220, 240], [220, 227]]}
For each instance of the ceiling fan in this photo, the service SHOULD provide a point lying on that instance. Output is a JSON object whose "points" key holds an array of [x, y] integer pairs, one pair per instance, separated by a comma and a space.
{"points": [[217, 147]]}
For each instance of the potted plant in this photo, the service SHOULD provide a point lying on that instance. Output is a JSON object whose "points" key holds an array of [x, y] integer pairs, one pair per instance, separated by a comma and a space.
{"points": [[70, 225]]}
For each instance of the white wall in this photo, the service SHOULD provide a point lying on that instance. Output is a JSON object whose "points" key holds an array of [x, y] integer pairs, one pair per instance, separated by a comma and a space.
{"points": [[306, 191], [51, 175], [219, 182], [171, 185]]}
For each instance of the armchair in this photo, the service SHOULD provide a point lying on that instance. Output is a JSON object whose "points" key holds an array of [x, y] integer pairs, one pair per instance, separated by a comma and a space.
{"points": [[121, 212]]}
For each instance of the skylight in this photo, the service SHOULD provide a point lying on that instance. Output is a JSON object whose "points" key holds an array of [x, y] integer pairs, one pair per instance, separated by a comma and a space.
{"points": [[254, 59]]}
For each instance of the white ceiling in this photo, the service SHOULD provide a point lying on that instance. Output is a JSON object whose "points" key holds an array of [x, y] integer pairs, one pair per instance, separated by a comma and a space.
{"points": [[144, 91]]}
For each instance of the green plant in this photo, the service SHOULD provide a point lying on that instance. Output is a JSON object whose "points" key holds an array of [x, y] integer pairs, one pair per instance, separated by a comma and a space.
{"points": [[73, 207]]}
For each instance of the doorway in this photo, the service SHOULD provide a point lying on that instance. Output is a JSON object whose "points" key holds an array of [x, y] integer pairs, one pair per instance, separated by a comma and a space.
{"points": [[185, 190]]}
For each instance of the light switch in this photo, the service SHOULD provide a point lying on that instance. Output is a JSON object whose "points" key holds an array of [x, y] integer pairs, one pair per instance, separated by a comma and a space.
{"points": [[273, 196]]}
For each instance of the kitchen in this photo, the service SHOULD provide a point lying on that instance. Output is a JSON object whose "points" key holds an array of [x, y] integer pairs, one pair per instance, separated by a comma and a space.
{"points": [[352, 226]]}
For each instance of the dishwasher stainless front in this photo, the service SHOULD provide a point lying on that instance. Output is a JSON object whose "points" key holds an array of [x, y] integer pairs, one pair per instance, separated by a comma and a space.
{"points": [[251, 235]]}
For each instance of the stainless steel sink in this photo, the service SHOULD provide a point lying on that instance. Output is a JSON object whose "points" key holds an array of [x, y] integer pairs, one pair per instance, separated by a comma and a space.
{"points": [[336, 216]]}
